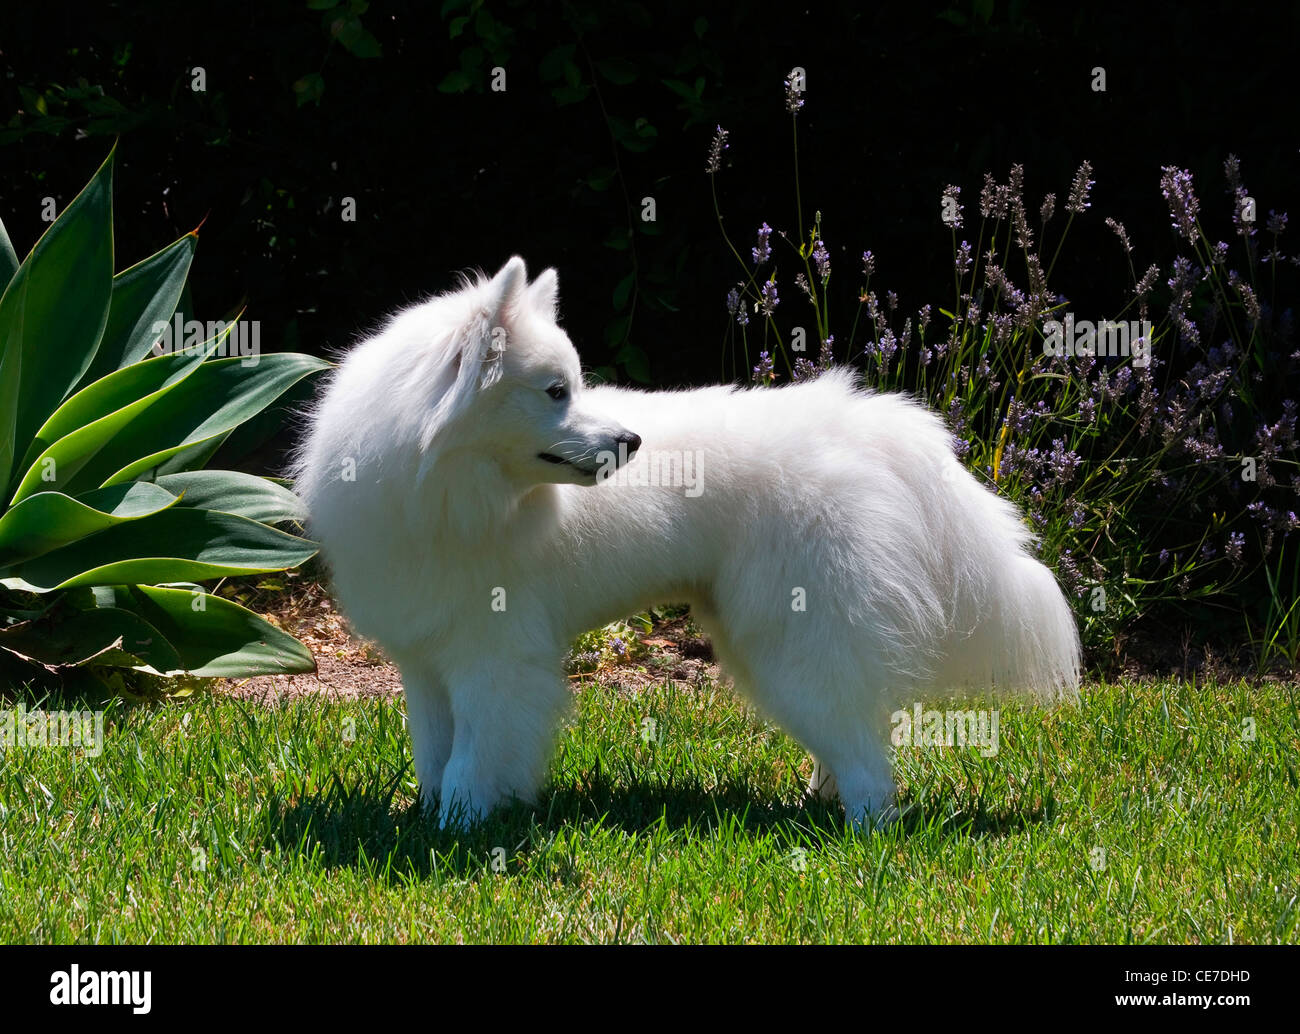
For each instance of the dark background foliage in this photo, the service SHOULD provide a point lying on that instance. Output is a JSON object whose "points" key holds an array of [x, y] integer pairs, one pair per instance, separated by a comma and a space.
{"points": [[311, 101]]}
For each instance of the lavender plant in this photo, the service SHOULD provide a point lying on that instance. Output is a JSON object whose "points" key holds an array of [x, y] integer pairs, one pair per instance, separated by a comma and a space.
{"points": [[1155, 452]]}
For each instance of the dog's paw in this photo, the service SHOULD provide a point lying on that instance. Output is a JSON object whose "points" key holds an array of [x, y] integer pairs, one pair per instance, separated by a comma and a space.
{"points": [[874, 811], [458, 814]]}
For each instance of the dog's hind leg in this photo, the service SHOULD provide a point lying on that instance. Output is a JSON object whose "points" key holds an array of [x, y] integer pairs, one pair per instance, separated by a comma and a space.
{"points": [[505, 714], [429, 721], [860, 774], [868, 793], [822, 786], [812, 698]]}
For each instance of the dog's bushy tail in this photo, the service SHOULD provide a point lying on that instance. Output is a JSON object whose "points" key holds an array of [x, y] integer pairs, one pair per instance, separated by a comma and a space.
{"points": [[1035, 644], [1013, 629]]}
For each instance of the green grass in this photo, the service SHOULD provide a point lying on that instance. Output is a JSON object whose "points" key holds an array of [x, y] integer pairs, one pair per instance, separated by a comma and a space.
{"points": [[208, 819]]}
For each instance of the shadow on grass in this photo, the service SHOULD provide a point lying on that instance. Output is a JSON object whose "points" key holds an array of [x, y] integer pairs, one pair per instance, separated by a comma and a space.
{"points": [[364, 827]]}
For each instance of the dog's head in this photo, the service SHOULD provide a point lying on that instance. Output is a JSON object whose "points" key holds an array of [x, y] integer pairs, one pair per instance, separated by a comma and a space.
{"points": [[508, 387]]}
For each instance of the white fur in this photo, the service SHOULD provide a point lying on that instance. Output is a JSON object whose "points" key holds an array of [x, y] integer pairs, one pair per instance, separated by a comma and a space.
{"points": [[916, 578]]}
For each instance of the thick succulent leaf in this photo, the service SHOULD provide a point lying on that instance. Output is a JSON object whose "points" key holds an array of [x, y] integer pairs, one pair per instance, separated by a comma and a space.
{"points": [[191, 414], [106, 635], [253, 434], [193, 457], [49, 520], [213, 636], [143, 296], [53, 313], [220, 395], [174, 545], [8, 258], [11, 369], [119, 389], [88, 421], [229, 491]]}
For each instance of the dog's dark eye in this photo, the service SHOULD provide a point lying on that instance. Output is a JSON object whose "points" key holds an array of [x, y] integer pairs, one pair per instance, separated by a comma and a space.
{"points": [[558, 392]]}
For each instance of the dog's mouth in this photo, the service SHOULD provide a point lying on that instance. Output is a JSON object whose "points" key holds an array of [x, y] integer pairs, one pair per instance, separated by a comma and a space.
{"points": [[606, 459], [560, 461]]}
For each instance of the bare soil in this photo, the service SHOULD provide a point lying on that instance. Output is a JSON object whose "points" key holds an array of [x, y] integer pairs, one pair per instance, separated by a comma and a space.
{"points": [[349, 666]]}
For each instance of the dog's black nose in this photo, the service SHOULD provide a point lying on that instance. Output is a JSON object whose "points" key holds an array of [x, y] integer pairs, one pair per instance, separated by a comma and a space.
{"points": [[632, 441]]}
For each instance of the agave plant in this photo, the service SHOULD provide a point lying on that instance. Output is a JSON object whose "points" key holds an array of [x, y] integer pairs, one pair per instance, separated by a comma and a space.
{"points": [[107, 519]]}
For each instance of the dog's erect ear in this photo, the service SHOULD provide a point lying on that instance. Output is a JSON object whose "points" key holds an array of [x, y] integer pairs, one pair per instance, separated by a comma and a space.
{"points": [[505, 290], [477, 347], [543, 293]]}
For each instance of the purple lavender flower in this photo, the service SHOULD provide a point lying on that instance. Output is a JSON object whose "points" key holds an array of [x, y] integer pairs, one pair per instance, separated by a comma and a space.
{"points": [[763, 372], [988, 195], [763, 251], [716, 148], [826, 356], [769, 301], [1083, 183], [1048, 209], [1016, 202], [1232, 170], [1236, 540], [736, 307], [1240, 206], [1143, 289], [822, 259], [952, 207], [1121, 233], [1148, 279], [1003, 325], [1205, 449], [889, 344], [1248, 300], [1180, 283], [1276, 224], [793, 94], [587, 661], [963, 258], [994, 198], [1176, 187], [868, 264]]}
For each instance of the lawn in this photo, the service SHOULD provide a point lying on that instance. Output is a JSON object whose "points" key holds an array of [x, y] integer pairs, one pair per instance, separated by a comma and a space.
{"points": [[1161, 811]]}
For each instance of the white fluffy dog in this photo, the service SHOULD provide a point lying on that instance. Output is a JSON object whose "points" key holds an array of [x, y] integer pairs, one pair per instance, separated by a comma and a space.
{"points": [[479, 507]]}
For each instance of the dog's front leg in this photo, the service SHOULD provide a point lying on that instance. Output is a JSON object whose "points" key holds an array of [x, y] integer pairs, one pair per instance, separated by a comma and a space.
{"points": [[822, 786], [428, 719], [504, 714]]}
